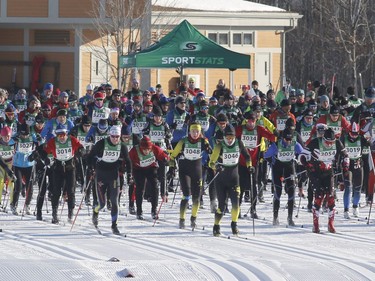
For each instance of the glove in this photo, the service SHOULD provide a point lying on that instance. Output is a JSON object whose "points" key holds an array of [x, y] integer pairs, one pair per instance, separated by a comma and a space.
{"points": [[251, 169], [80, 152], [12, 177], [345, 171], [174, 126], [33, 156], [47, 161], [164, 198], [310, 167], [300, 193], [219, 169], [38, 137], [91, 172], [129, 179], [171, 172], [325, 167], [276, 133]]}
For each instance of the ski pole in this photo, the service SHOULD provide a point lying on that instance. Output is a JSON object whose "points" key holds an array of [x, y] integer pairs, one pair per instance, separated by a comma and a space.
{"points": [[252, 203], [300, 198], [293, 176], [369, 212], [80, 205], [6, 196], [157, 214], [175, 192], [40, 188], [29, 186]]}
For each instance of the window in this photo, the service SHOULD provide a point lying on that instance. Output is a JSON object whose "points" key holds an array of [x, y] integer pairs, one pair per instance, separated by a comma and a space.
{"points": [[223, 38], [236, 38], [219, 38], [52, 37], [242, 38], [247, 39]]}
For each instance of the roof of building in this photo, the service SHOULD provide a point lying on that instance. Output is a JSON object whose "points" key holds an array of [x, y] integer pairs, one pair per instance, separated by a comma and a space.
{"points": [[217, 5]]}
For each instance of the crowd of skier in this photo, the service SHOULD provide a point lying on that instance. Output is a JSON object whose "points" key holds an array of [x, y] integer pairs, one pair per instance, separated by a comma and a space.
{"points": [[153, 144]]}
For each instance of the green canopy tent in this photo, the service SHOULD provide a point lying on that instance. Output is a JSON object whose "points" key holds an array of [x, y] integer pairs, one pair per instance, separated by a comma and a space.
{"points": [[185, 47]]}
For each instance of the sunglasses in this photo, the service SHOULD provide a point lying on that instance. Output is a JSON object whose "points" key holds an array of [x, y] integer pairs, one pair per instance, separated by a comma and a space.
{"points": [[204, 107], [99, 99], [115, 137]]}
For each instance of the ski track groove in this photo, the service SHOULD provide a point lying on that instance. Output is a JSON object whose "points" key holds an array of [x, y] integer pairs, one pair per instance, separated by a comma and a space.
{"points": [[54, 248]]}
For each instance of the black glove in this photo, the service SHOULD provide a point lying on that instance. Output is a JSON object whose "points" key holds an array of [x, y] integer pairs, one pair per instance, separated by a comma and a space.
{"points": [[219, 168], [47, 161], [33, 156], [171, 172], [251, 169], [80, 152], [38, 137], [174, 126], [90, 139], [90, 172]]}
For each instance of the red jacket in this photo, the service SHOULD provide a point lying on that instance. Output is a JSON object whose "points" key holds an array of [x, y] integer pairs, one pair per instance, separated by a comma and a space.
{"points": [[50, 147], [262, 133], [158, 152], [345, 125]]}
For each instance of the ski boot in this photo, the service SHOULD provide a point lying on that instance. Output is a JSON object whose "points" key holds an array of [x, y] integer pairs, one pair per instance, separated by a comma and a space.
{"points": [[254, 215], [55, 220], [216, 230], [154, 215], [140, 216], [346, 215], [95, 216], [13, 209], [315, 220], [181, 224], [356, 212], [39, 215], [27, 210], [70, 214], [132, 210], [290, 221], [234, 227], [331, 220], [114, 228], [193, 222]]}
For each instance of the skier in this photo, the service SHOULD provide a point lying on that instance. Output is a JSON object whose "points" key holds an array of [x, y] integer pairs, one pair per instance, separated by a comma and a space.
{"points": [[64, 148], [324, 153], [281, 155], [107, 158], [145, 157], [353, 169], [251, 134], [227, 154], [189, 150]]}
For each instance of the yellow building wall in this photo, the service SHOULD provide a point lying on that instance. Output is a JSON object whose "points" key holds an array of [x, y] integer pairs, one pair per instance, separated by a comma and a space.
{"points": [[7, 70], [11, 37], [267, 39], [276, 71], [66, 61], [85, 75], [28, 8], [77, 9]]}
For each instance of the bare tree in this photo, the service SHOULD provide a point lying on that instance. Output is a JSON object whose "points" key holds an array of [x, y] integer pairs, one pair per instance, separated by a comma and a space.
{"points": [[334, 36], [123, 27]]}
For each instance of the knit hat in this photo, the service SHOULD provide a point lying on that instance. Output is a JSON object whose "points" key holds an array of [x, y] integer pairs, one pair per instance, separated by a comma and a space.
{"points": [[145, 143]]}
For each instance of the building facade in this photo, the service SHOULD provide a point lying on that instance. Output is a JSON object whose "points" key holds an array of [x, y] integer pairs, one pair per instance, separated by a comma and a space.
{"points": [[58, 32]]}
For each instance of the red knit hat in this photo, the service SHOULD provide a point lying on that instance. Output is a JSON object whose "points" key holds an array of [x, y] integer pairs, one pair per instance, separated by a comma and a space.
{"points": [[146, 143]]}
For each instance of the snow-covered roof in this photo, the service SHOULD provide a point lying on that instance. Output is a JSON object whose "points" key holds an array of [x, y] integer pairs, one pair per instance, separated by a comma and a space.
{"points": [[217, 5]]}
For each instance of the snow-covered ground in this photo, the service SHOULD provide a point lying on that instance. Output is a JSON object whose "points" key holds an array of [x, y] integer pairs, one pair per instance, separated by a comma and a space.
{"points": [[33, 250]]}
